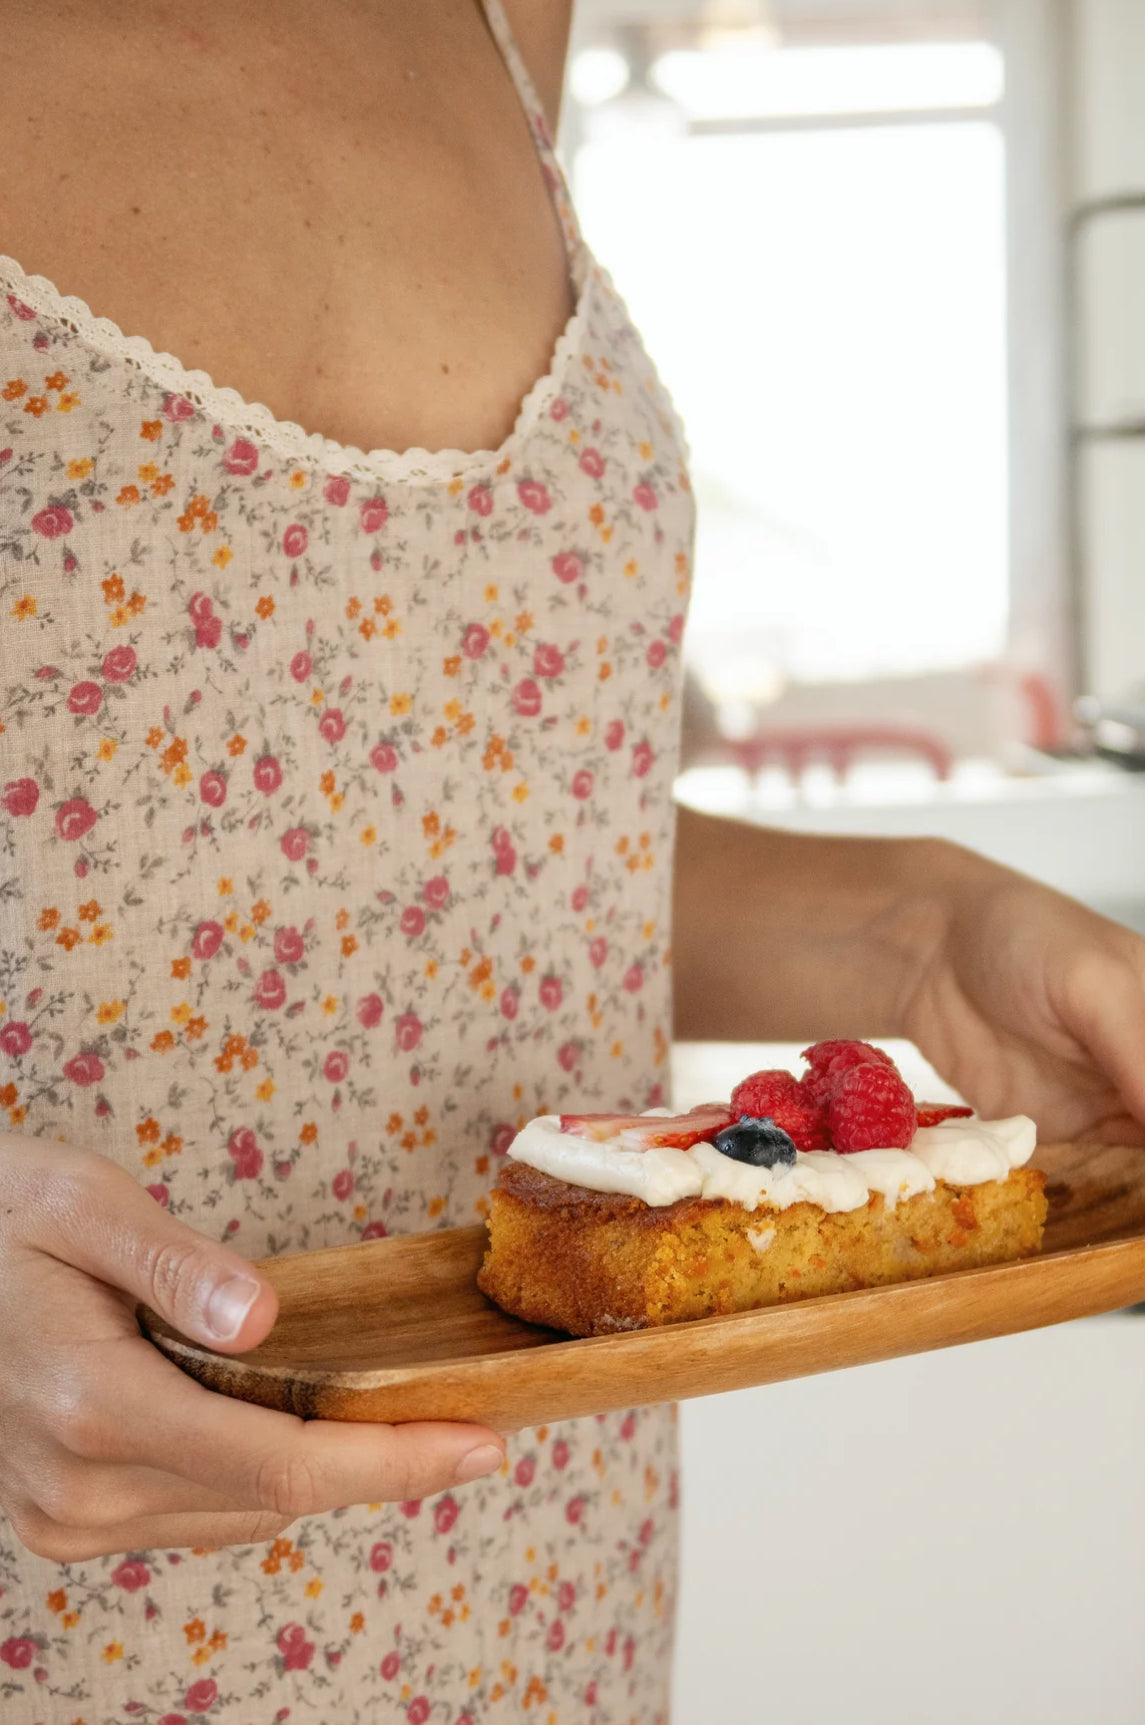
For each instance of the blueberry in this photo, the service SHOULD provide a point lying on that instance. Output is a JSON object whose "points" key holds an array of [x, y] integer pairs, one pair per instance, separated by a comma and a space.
{"points": [[761, 1143]]}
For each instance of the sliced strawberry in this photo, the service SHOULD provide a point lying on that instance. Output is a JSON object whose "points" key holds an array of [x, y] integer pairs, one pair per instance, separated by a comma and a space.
{"points": [[667, 1131], [930, 1113]]}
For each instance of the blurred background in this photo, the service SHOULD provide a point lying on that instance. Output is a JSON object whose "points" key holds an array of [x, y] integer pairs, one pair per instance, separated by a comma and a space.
{"points": [[890, 258]]}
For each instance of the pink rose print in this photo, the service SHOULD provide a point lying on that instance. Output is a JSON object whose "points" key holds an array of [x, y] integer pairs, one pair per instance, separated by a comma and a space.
{"points": [[568, 567], [172, 1719], [245, 1153], [634, 978], [592, 462], [177, 407], [435, 892], [206, 940], [579, 899], [342, 1184], [582, 784], [480, 500], [644, 495], [560, 1454], [676, 628], [524, 1471], [656, 655], [336, 490], [209, 632], [289, 946], [131, 1575], [534, 496], [445, 1513], [373, 515], [475, 641], [295, 540], [85, 699], [510, 1003], [301, 666], [267, 775], [383, 757], [418, 1710], [15, 1039], [412, 921], [53, 522], [555, 1639], [526, 698], [332, 725], [518, 1599], [567, 1055], [200, 606], [642, 758], [559, 409], [503, 850], [84, 1070], [119, 665], [75, 818], [408, 1031], [160, 1194], [614, 734], [18, 1652], [270, 991], [370, 1010], [20, 797], [296, 1651], [566, 1596], [213, 790], [241, 458], [548, 661], [295, 843], [551, 992], [374, 1231], [381, 1557], [19, 309], [336, 1066], [574, 1511], [502, 1138], [201, 1696], [390, 1667]]}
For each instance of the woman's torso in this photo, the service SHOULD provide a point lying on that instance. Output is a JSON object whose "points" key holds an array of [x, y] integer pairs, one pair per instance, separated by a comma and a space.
{"points": [[336, 798]]}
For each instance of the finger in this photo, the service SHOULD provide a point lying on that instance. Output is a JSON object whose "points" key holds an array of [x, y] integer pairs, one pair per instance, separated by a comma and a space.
{"points": [[94, 1495], [63, 1544], [276, 1462], [91, 1214], [1109, 1017]]}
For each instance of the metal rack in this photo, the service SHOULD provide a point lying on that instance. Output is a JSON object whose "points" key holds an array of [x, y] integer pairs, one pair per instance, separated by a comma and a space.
{"points": [[1081, 433]]}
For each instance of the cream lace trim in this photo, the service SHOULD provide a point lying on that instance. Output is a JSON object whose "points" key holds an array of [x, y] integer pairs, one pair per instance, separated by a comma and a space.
{"points": [[286, 440]]}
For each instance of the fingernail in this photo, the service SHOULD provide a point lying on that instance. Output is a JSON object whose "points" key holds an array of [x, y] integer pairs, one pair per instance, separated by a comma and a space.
{"points": [[228, 1306], [487, 1458]]}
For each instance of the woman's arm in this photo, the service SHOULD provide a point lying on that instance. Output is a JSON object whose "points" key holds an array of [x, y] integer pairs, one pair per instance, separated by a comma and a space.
{"points": [[1022, 998]]}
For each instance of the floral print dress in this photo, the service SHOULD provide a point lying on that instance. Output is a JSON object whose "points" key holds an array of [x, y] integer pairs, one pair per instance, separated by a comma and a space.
{"points": [[335, 842]]}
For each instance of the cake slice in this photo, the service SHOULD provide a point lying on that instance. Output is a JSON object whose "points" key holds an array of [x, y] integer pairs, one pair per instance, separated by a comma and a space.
{"points": [[601, 1223]]}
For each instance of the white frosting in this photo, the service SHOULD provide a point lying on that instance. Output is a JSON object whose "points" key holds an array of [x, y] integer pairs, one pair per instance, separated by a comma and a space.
{"points": [[963, 1152]]}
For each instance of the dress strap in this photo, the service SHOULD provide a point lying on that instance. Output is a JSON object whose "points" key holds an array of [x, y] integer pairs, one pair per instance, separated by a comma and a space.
{"points": [[542, 137]]}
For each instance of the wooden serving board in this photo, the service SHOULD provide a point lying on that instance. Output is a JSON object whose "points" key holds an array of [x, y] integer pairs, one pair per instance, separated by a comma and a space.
{"points": [[397, 1329]]}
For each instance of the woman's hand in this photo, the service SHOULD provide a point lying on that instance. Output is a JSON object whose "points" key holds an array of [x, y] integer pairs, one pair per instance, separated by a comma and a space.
{"points": [[104, 1445], [1029, 1003]]}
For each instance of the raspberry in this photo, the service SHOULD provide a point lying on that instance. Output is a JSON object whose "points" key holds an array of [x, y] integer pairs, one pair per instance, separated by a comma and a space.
{"points": [[930, 1113], [779, 1096], [870, 1109], [829, 1060]]}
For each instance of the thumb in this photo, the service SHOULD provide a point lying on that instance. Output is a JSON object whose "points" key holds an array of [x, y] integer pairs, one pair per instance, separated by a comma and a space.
{"points": [[92, 1214]]}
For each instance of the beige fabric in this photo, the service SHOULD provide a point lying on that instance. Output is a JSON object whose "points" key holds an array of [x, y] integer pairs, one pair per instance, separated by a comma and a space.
{"points": [[336, 823]]}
